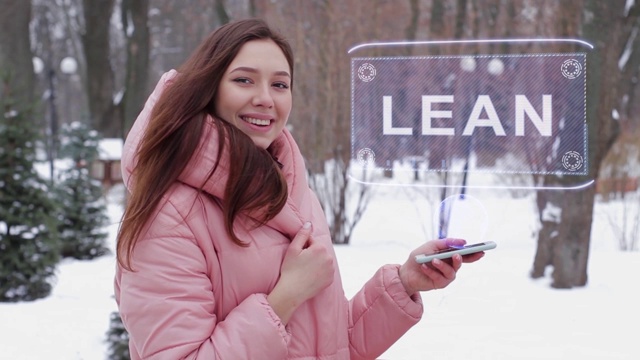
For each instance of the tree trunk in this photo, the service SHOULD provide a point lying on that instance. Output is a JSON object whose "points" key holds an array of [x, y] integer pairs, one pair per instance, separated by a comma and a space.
{"points": [[461, 19], [100, 76], [138, 48], [222, 13], [15, 51], [414, 20], [253, 9], [563, 241]]}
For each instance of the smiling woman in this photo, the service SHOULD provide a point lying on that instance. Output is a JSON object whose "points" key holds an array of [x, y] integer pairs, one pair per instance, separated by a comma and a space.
{"points": [[255, 92], [224, 251]]}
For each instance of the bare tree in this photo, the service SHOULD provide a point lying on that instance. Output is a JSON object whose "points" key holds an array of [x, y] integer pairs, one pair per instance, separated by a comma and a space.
{"points": [[100, 75], [223, 16], [15, 51], [55, 32], [564, 239], [331, 159], [618, 180], [322, 32], [135, 16]]}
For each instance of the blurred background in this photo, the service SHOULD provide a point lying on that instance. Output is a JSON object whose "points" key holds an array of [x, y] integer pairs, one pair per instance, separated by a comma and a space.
{"points": [[74, 74]]}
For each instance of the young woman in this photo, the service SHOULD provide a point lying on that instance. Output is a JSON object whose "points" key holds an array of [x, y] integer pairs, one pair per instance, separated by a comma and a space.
{"points": [[224, 251]]}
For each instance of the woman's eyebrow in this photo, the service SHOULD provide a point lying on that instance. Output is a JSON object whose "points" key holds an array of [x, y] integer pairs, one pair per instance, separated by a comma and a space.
{"points": [[254, 70]]}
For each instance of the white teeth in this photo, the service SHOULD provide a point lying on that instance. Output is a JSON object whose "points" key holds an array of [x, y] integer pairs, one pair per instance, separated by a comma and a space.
{"points": [[254, 121]]}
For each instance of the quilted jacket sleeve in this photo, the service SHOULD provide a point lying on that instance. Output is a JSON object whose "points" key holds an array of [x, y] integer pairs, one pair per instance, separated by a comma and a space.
{"points": [[380, 313], [168, 306]]}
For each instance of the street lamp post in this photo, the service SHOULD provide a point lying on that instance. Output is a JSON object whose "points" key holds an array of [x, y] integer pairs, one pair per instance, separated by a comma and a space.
{"points": [[467, 65], [68, 66], [40, 68], [495, 67], [53, 139]]}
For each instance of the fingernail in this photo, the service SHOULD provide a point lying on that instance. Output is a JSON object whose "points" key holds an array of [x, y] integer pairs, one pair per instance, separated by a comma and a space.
{"points": [[307, 225]]}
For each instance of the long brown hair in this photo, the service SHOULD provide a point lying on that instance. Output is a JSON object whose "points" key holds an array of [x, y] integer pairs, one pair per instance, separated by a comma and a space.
{"points": [[255, 185]]}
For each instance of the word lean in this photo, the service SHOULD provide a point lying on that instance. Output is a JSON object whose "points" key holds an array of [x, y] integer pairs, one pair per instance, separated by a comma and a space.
{"points": [[523, 108]]}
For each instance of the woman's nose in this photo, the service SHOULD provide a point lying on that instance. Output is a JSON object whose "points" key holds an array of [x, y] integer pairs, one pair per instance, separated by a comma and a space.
{"points": [[263, 97]]}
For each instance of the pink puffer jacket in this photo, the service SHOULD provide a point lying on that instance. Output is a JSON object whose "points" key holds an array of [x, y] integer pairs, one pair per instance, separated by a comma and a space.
{"points": [[195, 294]]}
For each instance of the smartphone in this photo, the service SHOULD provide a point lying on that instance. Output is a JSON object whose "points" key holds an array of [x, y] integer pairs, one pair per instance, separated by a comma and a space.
{"points": [[462, 250]]}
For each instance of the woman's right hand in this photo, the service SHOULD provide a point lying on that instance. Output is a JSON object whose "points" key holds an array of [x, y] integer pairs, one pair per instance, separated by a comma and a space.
{"points": [[307, 269]]}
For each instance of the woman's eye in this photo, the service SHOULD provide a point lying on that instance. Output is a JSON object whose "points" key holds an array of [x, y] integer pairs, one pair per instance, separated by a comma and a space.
{"points": [[281, 85], [242, 80]]}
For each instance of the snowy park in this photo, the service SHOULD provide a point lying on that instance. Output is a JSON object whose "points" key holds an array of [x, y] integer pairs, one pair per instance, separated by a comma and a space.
{"points": [[493, 310], [514, 122]]}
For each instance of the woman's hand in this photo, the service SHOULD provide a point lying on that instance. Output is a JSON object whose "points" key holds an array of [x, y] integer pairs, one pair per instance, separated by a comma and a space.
{"points": [[307, 269], [437, 274]]}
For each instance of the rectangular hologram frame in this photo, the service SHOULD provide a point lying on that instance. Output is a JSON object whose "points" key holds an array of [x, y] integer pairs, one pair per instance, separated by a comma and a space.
{"points": [[510, 113]]}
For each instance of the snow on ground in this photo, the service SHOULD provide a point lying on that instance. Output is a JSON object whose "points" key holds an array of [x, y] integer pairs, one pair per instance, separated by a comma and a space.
{"points": [[492, 311]]}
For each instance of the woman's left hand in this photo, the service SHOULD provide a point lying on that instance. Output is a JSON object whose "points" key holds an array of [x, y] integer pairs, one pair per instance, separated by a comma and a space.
{"points": [[438, 273]]}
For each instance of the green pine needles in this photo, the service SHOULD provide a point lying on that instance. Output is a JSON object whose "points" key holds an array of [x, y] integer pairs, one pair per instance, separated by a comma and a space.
{"points": [[43, 221], [29, 246], [117, 339], [82, 213]]}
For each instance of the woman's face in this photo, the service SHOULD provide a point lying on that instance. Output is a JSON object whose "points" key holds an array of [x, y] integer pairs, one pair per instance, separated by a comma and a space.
{"points": [[255, 92]]}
